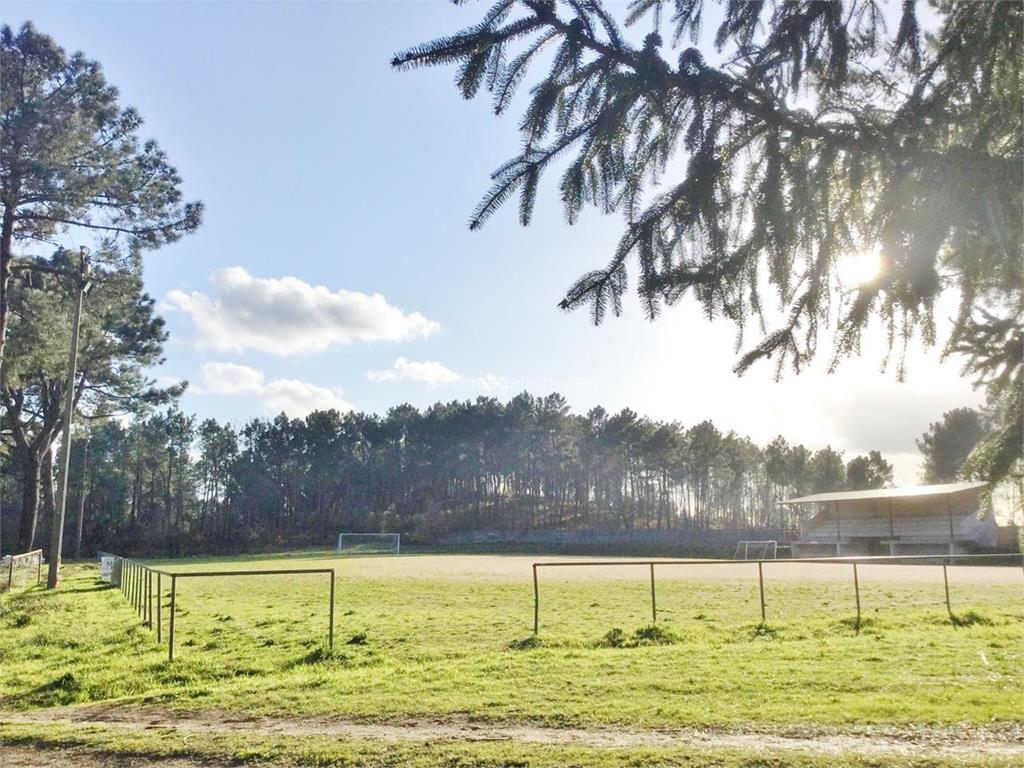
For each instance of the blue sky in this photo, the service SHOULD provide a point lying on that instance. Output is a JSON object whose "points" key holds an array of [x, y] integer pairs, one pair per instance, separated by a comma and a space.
{"points": [[328, 179]]}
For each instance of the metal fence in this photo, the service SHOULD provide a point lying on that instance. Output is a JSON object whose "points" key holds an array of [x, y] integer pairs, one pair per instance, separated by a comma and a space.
{"points": [[943, 560], [22, 561], [137, 582]]}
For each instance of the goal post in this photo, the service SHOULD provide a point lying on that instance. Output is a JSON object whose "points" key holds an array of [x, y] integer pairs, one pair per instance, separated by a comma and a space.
{"points": [[757, 550], [369, 544]]}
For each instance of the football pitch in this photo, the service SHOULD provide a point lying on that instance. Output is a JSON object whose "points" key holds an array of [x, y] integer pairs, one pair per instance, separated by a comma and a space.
{"points": [[435, 663]]}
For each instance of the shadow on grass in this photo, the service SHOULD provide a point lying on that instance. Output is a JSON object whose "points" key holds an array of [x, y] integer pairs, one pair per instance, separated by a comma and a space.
{"points": [[855, 625], [651, 634], [526, 644], [64, 689], [765, 632], [99, 587], [969, 619], [320, 655]]}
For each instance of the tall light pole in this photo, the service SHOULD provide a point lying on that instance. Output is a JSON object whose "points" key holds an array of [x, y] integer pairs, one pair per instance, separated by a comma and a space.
{"points": [[81, 284]]}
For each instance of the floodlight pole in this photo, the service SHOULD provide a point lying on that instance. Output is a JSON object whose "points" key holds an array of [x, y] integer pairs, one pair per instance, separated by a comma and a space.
{"points": [[81, 282]]}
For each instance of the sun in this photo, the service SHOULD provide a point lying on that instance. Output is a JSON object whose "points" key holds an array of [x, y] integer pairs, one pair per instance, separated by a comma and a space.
{"points": [[857, 269]]}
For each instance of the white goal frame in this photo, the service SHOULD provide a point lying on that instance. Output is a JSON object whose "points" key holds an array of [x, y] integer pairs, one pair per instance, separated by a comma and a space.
{"points": [[363, 543], [768, 549]]}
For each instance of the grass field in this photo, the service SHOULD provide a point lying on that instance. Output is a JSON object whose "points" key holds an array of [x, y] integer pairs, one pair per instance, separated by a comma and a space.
{"points": [[435, 664]]}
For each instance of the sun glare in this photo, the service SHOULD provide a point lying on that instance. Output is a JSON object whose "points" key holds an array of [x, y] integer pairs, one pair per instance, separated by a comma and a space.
{"points": [[857, 269]]}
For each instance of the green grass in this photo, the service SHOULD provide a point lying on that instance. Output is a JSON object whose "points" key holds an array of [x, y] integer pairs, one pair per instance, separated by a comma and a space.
{"points": [[442, 646]]}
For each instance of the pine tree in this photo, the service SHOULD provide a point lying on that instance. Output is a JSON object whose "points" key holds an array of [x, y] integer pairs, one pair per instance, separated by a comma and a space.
{"points": [[827, 471], [822, 132], [868, 472], [948, 443], [120, 338], [72, 164]]}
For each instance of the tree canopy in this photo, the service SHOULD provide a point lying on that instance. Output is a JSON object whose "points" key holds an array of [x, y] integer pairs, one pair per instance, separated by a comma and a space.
{"points": [[120, 338], [868, 472], [948, 443], [749, 163], [72, 164], [168, 482]]}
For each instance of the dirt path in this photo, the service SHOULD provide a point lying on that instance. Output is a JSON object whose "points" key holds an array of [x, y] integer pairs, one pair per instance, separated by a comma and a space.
{"points": [[31, 757], [1005, 740]]}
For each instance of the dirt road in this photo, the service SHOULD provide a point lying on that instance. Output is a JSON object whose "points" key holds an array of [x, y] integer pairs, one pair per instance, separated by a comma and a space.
{"points": [[1005, 740]]}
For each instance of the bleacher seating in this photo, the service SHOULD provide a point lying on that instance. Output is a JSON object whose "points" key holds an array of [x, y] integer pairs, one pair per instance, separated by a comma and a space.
{"points": [[908, 534], [911, 520]]}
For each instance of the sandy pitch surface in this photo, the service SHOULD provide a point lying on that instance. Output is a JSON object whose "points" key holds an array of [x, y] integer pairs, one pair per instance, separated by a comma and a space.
{"points": [[518, 568]]}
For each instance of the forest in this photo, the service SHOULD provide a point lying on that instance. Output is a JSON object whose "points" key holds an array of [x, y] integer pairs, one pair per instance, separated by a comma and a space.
{"points": [[170, 483]]}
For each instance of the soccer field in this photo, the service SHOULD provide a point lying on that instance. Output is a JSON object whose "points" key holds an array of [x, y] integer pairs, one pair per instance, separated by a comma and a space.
{"points": [[436, 664]]}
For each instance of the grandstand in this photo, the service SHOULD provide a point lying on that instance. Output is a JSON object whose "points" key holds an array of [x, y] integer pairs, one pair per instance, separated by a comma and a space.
{"points": [[924, 519]]}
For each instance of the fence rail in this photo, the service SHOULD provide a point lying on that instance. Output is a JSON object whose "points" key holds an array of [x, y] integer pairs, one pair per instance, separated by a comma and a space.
{"points": [[944, 560], [37, 553], [136, 581]]}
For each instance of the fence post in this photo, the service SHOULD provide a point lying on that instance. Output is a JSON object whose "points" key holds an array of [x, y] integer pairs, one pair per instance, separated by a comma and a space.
{"points": [[654, 605], [170, 643], [945, 581], [536, 602], [159, 599], [856, 590], [760, 585], [174, 596], [330, 629], [10, 574], [39, 568], [149, 598]]}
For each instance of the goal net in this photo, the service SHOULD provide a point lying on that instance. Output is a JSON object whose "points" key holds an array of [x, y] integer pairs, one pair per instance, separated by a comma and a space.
{"points": [[757, 550], [369, 543]]}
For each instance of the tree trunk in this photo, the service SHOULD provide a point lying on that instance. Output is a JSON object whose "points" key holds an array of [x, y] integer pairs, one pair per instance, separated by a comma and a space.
{"points": [[6, 241], [81, 502], [46, 479], [30, 481]]}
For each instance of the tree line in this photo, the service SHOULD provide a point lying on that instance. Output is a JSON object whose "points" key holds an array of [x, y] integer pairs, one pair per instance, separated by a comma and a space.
{"points": [[172, 483]]}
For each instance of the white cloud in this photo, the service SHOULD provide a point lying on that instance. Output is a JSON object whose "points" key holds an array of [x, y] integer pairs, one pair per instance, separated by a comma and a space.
{"points": [[287, 316], [435, 374], [428, 372], [230, 379], [299, 398], [296, 398]]}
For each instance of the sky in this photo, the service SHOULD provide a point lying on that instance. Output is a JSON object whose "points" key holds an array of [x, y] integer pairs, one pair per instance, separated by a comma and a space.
{"points": [[334, 266]]}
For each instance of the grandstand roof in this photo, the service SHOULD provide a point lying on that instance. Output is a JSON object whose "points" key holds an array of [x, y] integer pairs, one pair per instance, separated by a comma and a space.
{"points": [[888, 493]]}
